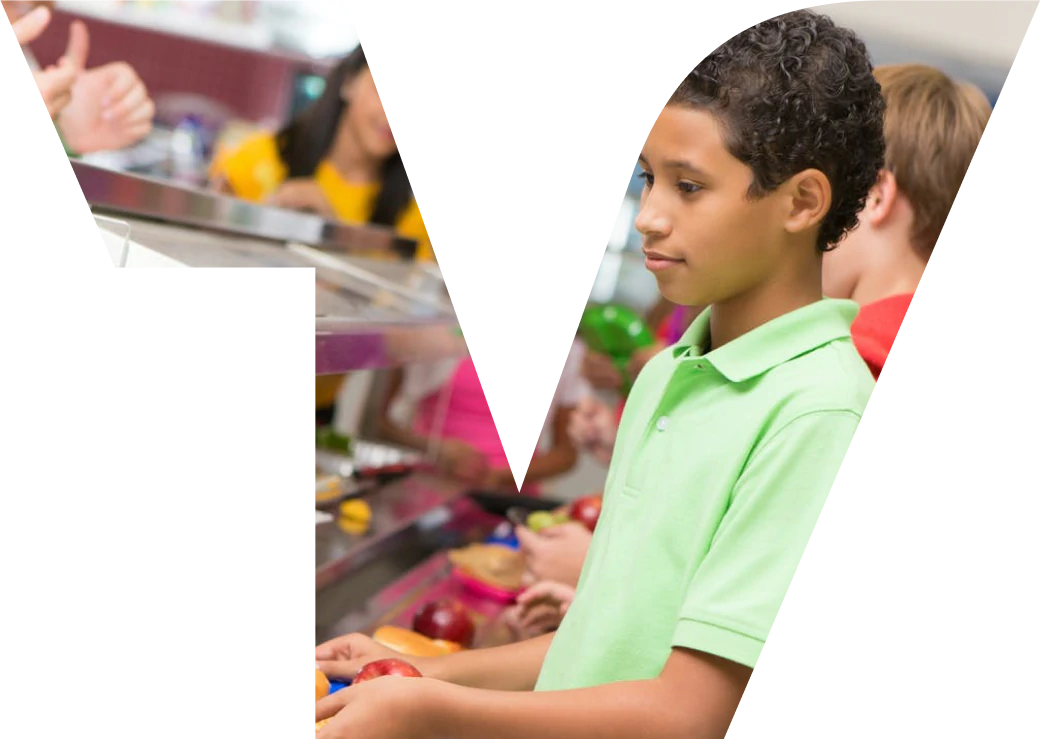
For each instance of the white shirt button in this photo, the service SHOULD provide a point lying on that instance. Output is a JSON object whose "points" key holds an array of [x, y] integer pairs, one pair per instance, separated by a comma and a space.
{"points": [[662, 423]]}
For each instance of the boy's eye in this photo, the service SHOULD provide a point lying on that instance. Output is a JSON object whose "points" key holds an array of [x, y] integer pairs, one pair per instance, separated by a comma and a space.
{"points": [[647, 178], [689, 187]]}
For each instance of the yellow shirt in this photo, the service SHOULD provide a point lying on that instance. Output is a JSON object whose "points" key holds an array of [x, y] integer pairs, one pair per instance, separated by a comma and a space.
{"points": [[254, 171]]}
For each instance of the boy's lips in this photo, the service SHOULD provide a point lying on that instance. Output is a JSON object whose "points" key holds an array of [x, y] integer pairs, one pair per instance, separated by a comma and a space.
{"points": [[656, 262]]}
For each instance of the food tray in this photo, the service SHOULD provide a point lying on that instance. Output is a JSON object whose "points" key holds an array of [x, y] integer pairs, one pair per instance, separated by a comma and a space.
{"points": [[482, 589], [331, 490]]}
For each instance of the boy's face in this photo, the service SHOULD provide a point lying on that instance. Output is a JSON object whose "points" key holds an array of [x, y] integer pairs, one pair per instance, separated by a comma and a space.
{"points": [[705, 239]]}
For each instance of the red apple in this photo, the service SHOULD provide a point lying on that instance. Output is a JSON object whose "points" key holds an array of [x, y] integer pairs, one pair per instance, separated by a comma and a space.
{"points": [[385, 667], [586, 510], [446, 620]]}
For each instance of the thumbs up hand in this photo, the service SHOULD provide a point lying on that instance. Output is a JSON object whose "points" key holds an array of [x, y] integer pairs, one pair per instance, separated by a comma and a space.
{"points": [[110, 107], [56, 81]]}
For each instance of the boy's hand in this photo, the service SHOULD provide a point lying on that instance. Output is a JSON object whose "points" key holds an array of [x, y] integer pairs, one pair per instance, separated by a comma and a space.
{"points": [[556, 554], [342, 657], [55, 86], [384, 708], [110, 109]]}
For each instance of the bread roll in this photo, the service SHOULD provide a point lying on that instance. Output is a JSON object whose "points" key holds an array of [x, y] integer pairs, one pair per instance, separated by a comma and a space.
{"points": [[413, 644]]}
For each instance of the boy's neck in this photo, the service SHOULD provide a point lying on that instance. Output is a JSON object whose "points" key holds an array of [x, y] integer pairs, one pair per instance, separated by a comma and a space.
{"points": [[785, 292], [896, 268]]}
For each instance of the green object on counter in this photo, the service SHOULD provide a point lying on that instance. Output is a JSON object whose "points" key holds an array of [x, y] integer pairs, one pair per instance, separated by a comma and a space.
{"points": [[329, 440], [617, 332]]}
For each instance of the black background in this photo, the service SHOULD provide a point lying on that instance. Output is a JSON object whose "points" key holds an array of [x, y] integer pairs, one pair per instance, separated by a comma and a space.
{"points": [[187, 412]]}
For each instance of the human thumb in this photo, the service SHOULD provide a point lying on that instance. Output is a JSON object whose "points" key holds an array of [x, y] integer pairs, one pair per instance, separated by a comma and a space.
{"points": [[78, 48], [527, 538], [30, 26]]}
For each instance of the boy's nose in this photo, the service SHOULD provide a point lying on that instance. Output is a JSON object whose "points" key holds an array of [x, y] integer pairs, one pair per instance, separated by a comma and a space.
{"points": [[651, 222]]}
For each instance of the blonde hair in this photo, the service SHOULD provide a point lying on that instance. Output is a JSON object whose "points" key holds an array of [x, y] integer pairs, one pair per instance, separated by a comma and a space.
{"points": [[933, 125]]}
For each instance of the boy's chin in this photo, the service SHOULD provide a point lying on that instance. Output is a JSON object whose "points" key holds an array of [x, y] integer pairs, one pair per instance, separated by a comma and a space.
{"points": [[676, 295]]}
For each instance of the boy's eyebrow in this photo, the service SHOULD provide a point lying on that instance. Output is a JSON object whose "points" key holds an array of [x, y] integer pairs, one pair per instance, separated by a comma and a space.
{"points": [[676, 164]]}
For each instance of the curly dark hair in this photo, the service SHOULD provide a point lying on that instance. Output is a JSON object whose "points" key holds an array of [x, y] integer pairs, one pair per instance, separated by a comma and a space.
{"points": [[793, 93]]}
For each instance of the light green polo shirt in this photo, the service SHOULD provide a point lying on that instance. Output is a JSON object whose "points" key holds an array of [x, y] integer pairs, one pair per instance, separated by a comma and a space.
{"points": [[721, 468]]}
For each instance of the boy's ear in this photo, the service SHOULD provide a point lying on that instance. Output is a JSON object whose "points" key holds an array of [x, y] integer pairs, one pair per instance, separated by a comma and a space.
{"points": [[882, 199], [809, 194]]}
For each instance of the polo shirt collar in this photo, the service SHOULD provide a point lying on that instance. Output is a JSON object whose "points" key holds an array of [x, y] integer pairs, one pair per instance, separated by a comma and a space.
{"points": [[772, 343]]}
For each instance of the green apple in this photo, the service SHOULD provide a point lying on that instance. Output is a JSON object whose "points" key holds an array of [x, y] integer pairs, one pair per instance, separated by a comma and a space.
{"points": [[540, 520]]}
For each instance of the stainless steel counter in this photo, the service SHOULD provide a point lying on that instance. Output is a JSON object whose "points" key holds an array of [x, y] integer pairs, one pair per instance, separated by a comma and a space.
{"points": [[111, 192], [423, 502], [362, 580]]}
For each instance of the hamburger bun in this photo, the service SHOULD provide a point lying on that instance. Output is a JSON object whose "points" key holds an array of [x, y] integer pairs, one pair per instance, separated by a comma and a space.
{"points": [[413, 644]]}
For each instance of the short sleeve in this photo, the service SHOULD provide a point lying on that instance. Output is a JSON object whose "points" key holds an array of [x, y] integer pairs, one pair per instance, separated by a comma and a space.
{"points": [[734, 595]]}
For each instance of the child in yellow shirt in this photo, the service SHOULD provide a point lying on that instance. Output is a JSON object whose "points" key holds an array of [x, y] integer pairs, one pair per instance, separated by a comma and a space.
{"points": [[337, 159]]}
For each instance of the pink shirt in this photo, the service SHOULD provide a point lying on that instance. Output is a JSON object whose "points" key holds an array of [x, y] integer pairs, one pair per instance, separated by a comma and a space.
{"points": [[459, 410], [466, 416]]}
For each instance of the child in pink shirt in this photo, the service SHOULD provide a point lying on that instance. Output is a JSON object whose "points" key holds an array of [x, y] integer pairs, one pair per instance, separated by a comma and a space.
{"points": [[440, 409]]}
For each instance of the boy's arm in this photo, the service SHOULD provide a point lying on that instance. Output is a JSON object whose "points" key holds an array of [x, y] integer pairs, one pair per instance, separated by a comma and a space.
{"points": [[513, 667], [695, 697], [510, 667]]}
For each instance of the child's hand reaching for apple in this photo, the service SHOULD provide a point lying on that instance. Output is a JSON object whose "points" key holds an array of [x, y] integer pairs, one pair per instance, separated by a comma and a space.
{"points": [[342, 657]]}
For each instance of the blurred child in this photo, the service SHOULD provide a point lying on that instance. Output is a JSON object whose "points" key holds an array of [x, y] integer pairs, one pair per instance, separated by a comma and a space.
{"points": [[932, 127], [337, 159], [440, 409]]}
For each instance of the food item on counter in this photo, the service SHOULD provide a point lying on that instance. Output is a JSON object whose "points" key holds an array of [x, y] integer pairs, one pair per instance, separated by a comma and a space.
{"points": [[413, 644], [586, 510], [385, 668], [540, 520], [494, 564], [329, 440], [328, 488], [445, 619], [355, 516], [321, 686]]}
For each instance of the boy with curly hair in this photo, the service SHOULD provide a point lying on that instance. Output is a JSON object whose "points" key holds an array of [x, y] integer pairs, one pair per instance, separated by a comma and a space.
{"points": [[730, 440]]}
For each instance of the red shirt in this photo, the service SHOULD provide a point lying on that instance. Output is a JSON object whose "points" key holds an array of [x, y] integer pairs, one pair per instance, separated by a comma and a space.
{"points": [[875, 329]]}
